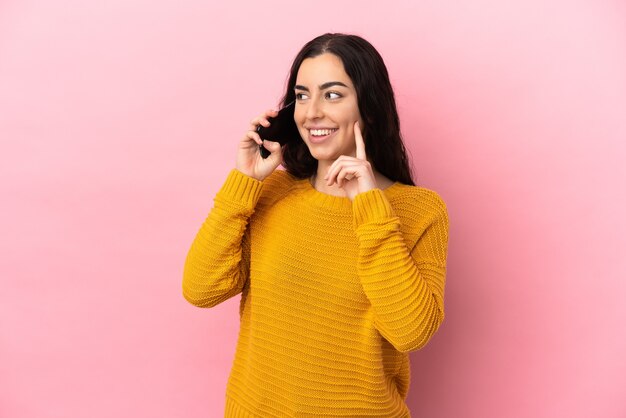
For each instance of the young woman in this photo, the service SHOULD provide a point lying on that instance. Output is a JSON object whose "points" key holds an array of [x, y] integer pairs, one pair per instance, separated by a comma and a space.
{"points": [[340, 259]]}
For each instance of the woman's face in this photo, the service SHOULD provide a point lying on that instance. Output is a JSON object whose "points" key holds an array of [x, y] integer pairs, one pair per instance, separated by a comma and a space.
{"points": [[326, 107]]}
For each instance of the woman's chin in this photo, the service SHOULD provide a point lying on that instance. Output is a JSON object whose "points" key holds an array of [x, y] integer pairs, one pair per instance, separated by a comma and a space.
{"points": [[320, 155]]}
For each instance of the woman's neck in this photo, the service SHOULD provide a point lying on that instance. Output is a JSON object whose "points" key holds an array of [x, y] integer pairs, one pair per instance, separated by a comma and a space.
{"points": [[320, 184]]}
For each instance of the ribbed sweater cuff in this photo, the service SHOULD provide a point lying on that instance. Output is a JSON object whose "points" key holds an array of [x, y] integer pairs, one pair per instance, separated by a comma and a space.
{"points": [[371, 206], [241, 189]]}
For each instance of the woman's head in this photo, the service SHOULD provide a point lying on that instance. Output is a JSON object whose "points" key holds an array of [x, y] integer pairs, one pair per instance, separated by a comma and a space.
{"points": [[366, 85]]}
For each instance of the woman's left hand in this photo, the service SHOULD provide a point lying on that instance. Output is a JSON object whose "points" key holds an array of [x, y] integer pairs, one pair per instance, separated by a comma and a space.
{"points": [[353, 174]]}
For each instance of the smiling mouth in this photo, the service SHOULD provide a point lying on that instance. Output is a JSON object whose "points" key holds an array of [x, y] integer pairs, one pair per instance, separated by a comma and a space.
{"points": [[321, 132], [319, 135]]}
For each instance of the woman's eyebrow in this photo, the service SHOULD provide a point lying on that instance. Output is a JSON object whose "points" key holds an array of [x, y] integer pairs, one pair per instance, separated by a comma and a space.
{"points": [[322, 87]]}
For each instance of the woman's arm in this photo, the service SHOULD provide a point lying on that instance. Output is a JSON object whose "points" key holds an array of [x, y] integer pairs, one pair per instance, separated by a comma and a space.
{"points": [[217, 264], [404, 285]]}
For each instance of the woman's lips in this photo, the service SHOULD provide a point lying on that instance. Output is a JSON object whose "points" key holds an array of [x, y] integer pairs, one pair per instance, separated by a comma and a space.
{"points": [[316, 139]]}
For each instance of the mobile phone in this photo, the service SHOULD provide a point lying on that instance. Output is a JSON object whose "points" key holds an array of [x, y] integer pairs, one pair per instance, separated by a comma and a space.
{"points": [[282, 129]]}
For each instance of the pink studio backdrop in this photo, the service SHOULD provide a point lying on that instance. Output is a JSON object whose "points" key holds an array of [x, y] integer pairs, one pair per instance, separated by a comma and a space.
{"points": [[119, 122]]}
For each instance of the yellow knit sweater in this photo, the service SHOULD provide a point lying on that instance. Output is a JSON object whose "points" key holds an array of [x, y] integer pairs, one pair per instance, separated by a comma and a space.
{"points": [[334, 293]]}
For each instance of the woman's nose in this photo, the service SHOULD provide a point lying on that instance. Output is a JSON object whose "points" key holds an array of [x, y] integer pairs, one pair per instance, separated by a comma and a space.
{"points": [[314, 110]]}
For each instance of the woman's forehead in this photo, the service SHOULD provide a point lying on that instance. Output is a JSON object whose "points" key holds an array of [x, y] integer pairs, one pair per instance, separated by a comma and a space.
{"points": [[322, 69]]}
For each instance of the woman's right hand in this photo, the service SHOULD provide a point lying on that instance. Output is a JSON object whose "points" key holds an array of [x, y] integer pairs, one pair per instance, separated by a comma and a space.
{"points": [[249, 160]]}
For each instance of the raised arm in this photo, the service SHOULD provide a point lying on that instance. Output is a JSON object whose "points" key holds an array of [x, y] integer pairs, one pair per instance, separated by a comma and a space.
{"points": [[402, 267], [217, 264]]}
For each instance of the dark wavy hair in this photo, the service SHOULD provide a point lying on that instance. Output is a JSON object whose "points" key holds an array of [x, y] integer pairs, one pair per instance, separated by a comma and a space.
{"points": [[376, 101]]}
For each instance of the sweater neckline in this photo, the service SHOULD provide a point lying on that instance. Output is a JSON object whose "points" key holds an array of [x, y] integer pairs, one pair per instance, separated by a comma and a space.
{"points": [[321, 199]]}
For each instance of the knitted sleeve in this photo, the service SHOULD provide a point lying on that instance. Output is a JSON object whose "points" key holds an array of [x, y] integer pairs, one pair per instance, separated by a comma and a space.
{"points": [[217, 264], [403, 278]]}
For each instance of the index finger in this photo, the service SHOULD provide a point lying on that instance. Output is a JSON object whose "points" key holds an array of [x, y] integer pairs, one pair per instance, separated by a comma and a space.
{"points": [[360, 144], [262, 119]]}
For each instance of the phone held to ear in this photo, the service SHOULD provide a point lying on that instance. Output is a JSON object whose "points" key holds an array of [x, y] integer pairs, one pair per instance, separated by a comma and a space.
{"points": [[282, 129]]}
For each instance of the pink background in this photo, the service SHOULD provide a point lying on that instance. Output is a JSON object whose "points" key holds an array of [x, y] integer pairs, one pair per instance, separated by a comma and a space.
{"points": [[119, 122]]}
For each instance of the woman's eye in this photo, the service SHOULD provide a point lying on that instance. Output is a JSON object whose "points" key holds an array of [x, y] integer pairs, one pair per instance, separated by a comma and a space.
{"points": [[301, 96], [333, 95]]}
